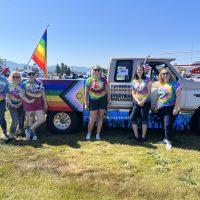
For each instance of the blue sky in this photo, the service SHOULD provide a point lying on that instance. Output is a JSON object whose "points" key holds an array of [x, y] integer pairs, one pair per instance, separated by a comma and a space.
{"points": [[88, 32]]}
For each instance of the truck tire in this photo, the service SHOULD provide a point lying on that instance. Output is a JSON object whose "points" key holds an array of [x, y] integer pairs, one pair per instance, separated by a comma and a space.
{"points": [[62, 122]]}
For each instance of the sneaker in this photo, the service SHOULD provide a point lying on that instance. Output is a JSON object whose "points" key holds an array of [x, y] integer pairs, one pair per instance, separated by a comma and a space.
{"points": [[8, 140], [88, 136], [19, 136], [164, 141], [28, 133], [4, 136], [98, 136], [34, 137], [169, 145]]}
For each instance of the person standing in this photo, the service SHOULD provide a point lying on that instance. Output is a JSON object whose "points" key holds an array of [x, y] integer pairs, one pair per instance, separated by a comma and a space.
{"points": [[97, 97], [141, 89], [34, 103], [3, 86], [15, 104], [168, 103]]}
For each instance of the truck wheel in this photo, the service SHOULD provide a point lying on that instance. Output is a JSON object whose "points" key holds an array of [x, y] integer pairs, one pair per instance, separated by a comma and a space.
{"points": [[62, 122]]}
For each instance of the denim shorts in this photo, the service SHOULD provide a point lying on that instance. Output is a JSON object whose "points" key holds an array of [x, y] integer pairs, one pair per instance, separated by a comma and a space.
{"points": [[101, 103]]}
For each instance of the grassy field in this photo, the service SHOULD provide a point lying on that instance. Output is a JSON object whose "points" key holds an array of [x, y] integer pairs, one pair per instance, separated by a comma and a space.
{"points": [[68, 167]]}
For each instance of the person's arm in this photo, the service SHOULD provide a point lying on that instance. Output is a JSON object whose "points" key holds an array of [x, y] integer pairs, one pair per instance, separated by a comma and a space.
{"points": [[134, 96], [177, 103], [9, 101], [24, 98], [86, 103], [44, 100]]}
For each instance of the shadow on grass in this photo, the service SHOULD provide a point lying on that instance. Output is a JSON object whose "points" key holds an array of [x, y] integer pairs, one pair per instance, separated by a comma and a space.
{"points": [[182, 140]]}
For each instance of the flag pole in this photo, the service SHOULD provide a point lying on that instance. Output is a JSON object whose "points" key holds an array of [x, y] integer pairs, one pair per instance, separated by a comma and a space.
{"points": [[36, 47], [46, 70]]}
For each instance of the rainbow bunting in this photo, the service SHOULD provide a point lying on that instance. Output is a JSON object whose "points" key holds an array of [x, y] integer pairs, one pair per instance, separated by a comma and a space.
{"points": [[40, 54]]}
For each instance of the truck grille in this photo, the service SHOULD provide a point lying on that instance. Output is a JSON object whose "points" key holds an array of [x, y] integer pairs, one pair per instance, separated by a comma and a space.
{"points": [[121, 92]]}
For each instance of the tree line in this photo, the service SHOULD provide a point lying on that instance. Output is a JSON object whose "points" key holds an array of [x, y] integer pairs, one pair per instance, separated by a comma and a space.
{"points": [[63, 69]]}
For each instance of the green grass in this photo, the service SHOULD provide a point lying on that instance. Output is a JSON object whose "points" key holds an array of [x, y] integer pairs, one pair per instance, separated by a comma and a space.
{"points": [[68, 167]]}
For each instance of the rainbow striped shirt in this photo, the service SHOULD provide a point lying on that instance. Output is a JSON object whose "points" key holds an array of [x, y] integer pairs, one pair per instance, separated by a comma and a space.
{"points": [[13, 90], [167, 94], [97, 87], [32, 89], [140, 88]]}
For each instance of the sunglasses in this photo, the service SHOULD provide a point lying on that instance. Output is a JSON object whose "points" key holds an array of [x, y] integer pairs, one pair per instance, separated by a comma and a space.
{"points": [[97, 70], [16, 77], [31, 74], [167, 73]]}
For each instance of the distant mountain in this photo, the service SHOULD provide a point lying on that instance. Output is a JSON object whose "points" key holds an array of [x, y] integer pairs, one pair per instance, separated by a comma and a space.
{"points": [[13, 65]]}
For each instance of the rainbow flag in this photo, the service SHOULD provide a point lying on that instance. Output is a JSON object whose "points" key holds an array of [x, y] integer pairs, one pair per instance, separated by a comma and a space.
{"points": [[40, 54]]}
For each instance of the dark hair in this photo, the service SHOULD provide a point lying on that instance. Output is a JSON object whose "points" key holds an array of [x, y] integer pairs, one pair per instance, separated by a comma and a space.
{"points": [[136, 76]]}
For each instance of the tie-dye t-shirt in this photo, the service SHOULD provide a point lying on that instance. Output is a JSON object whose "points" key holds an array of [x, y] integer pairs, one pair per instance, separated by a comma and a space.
{"points": [[32, 89], [167, 94], [97, 87], [3, 85], [140, 88], [13, 90]]}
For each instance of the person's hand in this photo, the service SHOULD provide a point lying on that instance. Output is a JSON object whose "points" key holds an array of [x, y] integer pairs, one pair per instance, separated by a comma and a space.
{"points": [[175, 110], [86, 106], [13, 106], [109, 103], [31, 101], [156, 110], [17, 105], [141, 103]]}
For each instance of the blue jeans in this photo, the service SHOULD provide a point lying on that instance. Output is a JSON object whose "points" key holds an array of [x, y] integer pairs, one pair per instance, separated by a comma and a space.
{"points": [[17, 116], [167, 119], [140, 112], [2, 116]]}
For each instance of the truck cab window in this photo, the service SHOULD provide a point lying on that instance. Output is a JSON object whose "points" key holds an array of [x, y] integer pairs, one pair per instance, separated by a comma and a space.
{"points": [[123, 71], [155, 69]]}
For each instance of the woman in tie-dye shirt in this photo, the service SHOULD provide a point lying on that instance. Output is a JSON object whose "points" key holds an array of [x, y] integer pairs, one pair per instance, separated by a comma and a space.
{"points": [[168, 103], [96, 99], [141, 90], [34, 103], [15, 104]]}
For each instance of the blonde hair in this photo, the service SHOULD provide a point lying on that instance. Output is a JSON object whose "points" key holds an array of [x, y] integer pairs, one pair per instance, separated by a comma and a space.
{"points": [[161, 80], [97, 66], [10, 78]]}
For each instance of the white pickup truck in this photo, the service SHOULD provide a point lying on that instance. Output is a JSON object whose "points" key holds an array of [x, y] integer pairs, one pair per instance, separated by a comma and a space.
{"points": [[120, 75], [65, 97]]}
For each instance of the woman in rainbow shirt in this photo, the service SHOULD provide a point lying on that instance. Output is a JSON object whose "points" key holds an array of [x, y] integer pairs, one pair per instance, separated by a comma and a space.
{"points": [[141, 90], [168, 103], [34, 103], [15, 104], [97, 98]]}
